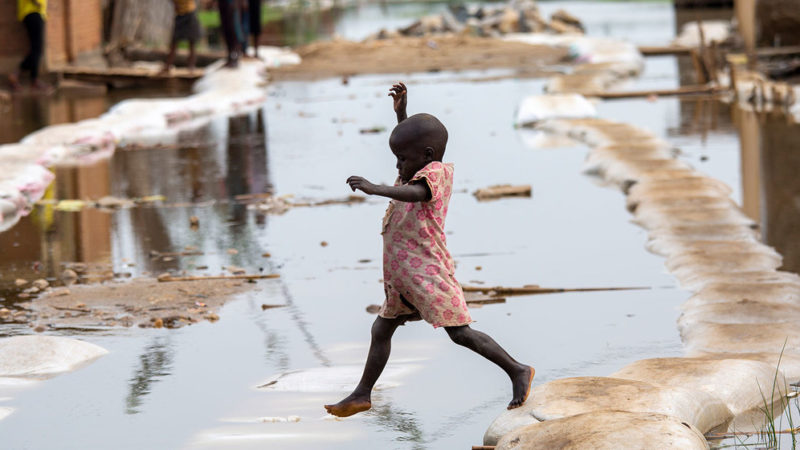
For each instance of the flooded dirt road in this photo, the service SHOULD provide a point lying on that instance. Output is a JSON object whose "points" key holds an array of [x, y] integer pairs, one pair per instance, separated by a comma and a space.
{"points": [[196, 387]]}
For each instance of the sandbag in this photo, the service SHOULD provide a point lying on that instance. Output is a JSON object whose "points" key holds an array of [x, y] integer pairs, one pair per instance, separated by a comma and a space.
{"points": [[540, 107], [606, 430], [44, 356], [736, 382], [571, 396]]}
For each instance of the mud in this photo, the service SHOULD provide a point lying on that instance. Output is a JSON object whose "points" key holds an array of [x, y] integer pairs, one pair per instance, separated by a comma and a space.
{"points": [[340, 58]]}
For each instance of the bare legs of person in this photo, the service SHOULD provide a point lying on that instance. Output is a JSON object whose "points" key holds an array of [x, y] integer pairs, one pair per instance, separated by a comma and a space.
{"points": [[170, 58], [480, 343], [192, 57], [380, 348], [13, 80]]}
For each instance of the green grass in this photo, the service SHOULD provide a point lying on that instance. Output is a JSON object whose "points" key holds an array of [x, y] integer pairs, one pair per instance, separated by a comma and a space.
{"points": [[210, 18]]}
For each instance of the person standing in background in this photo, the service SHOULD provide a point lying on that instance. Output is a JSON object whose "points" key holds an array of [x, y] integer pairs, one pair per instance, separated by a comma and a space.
{"points": [[32, 14], [185, 28], [254, 10], [227, 18]]}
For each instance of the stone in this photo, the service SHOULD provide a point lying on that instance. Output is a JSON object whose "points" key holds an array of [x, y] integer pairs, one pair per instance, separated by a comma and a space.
{"points": [[41, 284], [20, 282], [606, 430], [738, 383], [571, 396], [44, 356], [68, 277]]}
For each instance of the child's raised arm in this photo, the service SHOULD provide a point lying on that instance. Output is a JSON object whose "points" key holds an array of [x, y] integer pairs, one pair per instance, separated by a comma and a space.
{"points": [[414, 192], [400, 95]]}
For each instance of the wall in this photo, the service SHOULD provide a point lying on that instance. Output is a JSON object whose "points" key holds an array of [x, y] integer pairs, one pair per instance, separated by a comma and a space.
{"points": [[73, 33]]}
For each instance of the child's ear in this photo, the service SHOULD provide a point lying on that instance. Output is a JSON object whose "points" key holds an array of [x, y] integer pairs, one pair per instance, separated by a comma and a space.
{"points": [[429, 154]]}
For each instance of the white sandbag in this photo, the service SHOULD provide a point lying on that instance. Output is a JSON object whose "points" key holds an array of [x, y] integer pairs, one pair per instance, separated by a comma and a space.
{"points": [[334, 379], [277, 56], [787, 363], [744, 338], [690, 266], [713, 30], [696, 283], [729, 214], [571, 396], [737, 383], [741, 312], [606, 430], [554, 106], [44, 356], [732, 292], [632, 171], [44, 155]]}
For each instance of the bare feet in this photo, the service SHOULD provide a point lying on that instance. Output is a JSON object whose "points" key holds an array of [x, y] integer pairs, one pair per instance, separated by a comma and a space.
{"points": [[521, 387], [353, 404], [13, 80], [43, 88]]}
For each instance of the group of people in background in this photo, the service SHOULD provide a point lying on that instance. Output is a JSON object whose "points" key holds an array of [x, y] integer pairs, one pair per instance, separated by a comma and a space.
{"points": [[240, 21]]}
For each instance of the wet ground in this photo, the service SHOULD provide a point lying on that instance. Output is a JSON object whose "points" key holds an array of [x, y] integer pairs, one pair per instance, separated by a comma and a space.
{"points": [[196, 386]]}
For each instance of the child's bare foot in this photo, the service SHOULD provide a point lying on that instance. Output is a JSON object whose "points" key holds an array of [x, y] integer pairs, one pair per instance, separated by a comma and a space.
{"points": [[353, 404], [521, 383]]}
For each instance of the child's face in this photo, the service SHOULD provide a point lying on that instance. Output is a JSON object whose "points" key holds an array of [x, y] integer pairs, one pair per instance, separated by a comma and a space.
{"points": [[410, 160]]}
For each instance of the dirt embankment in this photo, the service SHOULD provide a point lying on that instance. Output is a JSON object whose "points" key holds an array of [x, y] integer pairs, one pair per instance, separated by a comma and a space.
{"points": [[417, 54], [141, 302]]}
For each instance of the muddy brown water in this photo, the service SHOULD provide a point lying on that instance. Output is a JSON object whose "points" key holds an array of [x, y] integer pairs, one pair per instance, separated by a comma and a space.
{"points": [[195, 387]]}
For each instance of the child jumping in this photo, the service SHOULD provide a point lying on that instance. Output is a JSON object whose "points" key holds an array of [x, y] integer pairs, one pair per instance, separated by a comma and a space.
{"points": [[417, 268]]}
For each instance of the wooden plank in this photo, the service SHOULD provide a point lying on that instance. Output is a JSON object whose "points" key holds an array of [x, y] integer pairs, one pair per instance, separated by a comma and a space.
{"points": [[652, 50], [684, 90], [166, 277]]}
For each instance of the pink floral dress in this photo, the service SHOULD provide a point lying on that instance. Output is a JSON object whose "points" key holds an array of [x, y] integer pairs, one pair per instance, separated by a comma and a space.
{"points": [[416, 263]]}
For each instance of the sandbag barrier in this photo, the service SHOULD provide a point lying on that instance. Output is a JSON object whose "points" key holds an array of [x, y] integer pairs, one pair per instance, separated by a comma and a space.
{"points": [[138, 122], [741, 316]]}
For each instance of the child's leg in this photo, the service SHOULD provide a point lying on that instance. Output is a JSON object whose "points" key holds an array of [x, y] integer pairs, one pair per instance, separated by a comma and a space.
{"points": [[379, 349], [192, 56], [520, 374], [170, 57]]}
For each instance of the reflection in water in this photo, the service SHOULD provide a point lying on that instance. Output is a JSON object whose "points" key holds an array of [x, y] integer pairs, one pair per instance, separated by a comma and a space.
{"points": [[155, 363], [780, 185], [403, 422]]}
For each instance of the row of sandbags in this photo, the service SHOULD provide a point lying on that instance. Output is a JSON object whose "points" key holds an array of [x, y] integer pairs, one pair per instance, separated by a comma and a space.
{"points": [[137, 122], [597, 63], [516, 16], [742, 312]]}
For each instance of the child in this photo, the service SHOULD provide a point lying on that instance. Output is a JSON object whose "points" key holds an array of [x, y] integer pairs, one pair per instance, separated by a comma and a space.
{"points": [[32, 14], [185, 28], [417, 268]]}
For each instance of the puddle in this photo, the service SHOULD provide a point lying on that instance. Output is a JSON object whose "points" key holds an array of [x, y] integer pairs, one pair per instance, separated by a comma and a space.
{"points": [[196, 387]]}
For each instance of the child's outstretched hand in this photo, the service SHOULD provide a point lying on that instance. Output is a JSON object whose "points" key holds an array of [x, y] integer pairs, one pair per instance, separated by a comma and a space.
{"points": [[399, 93], [362, 184]]}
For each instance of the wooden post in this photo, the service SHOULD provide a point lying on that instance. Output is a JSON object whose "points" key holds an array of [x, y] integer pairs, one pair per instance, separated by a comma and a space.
{"points": [[746, 17]]}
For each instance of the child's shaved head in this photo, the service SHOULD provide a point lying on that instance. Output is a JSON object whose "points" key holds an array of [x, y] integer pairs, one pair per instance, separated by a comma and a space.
{"points": [[419, 132]]}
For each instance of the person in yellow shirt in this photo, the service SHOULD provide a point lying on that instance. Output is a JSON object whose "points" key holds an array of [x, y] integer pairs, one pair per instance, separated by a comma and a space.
{"points": [[185, 28], [32, 14]]}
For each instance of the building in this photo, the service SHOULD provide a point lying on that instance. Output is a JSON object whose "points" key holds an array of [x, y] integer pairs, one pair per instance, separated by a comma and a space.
{"points": [[74, 33]]}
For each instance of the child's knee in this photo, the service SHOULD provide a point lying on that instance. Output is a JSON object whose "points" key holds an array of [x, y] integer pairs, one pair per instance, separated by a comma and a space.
{"points": [[382, 329], [459, 335]]}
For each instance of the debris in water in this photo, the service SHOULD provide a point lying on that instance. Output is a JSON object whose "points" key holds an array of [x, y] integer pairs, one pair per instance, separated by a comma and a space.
{"points": [[323, 243], [236, 270], [503, 190], [373, 309], [194, 222], [232, 251], [20, 282], [167, 277], [265, 307], [212, 317], [266, 255], [372, 130], [68, 277]]}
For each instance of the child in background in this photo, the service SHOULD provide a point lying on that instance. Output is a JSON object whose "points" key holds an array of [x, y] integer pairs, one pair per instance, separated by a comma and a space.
{"points": [[32, 14], [185, 28], [418, 271]]}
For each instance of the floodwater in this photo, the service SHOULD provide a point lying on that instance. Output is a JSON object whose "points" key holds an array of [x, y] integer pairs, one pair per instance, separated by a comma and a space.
{"points": [[196, 387]]}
